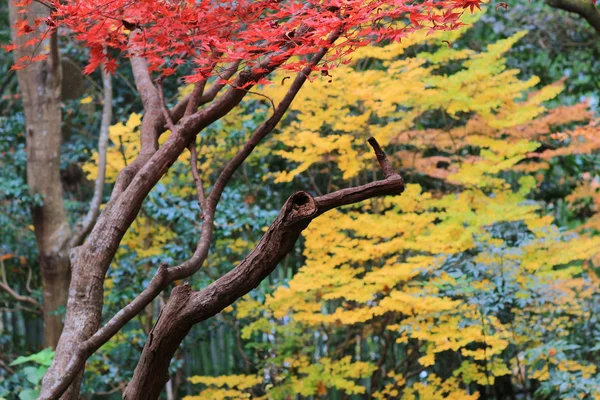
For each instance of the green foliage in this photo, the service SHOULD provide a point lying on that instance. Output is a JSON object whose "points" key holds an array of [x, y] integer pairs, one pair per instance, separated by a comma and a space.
{"points": [[25, 383]]}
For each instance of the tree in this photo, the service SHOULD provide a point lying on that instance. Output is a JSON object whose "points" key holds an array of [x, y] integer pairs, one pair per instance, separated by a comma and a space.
{"points": [[40, 85], [239, 44]]}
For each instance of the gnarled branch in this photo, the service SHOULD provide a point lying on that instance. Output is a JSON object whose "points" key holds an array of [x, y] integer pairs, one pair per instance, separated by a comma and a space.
{"points": [[24, 299], [186, 307]]}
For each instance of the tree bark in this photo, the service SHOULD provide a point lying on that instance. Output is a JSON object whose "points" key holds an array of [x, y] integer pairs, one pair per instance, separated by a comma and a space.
{"points": [[40, 86], [585, 8]]}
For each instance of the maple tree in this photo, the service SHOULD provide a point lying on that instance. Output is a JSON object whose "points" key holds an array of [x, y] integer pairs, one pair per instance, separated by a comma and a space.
{"points": [[233, 46]]}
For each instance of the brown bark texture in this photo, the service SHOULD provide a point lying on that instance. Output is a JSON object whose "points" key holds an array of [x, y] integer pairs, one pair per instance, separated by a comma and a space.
{"points": [[40, 86], [587, 9]]}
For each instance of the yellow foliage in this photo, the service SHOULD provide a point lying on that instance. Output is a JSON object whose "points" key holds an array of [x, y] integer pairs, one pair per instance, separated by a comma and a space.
{"points": [[125, 140], [436, 389]]}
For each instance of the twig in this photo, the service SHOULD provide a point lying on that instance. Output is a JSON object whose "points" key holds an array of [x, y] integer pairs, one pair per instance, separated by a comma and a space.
{"points": [[21, 308], [163, 106], [382, 159], [208, 95], [265, 96], [5, 367], [29, 273], [5, 286]]}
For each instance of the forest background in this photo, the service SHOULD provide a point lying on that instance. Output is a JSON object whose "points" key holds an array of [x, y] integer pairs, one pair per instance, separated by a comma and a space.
{"points": [[480, 281]]}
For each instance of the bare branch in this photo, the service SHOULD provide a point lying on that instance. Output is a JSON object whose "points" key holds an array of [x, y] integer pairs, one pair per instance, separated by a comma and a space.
{"points": [[181, 109], [24, 299], [228, 71], [163, 106], [186, 308], [388, 171], [196, 175], [6, 367], [94, 209], [585, 8], [266, 127], [265, 96], [27, 286]]}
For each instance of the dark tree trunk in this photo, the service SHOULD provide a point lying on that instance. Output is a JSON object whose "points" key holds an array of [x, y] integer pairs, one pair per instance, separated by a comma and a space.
{"points": [[40, 87]]}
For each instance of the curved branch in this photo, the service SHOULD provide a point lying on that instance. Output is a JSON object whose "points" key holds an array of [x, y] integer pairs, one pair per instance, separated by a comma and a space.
{"points": [[24, 299], [186, 307], [585, 8], [88, 222]]}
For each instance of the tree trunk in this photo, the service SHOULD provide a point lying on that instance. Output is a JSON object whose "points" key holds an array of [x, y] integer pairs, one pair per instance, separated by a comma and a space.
{"points": [[40, 86]]}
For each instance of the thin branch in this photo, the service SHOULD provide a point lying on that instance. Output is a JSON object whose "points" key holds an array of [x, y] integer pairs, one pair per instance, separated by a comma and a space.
{"points": [[5, 367], [49, 6], [29, 273], [382, 159], [5, 286], [163, 106], [179, 110], [267, 126], [585, 8], [6, 81], [19, 307], [80, 70], [96, 202], [196, 175], [228, 71], [265, 96]]}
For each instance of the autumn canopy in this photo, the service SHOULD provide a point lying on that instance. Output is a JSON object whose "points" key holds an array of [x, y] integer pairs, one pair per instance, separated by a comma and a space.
{"points": [[259, 34]]}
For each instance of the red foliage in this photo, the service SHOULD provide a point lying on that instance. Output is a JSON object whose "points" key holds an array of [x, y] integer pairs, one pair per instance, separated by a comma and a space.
{"points": [[204, 33]]}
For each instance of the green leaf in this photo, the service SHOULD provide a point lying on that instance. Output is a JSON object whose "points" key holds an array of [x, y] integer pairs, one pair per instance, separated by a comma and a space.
{"points": [[29, 394], [34, 374], [44, 357]]}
